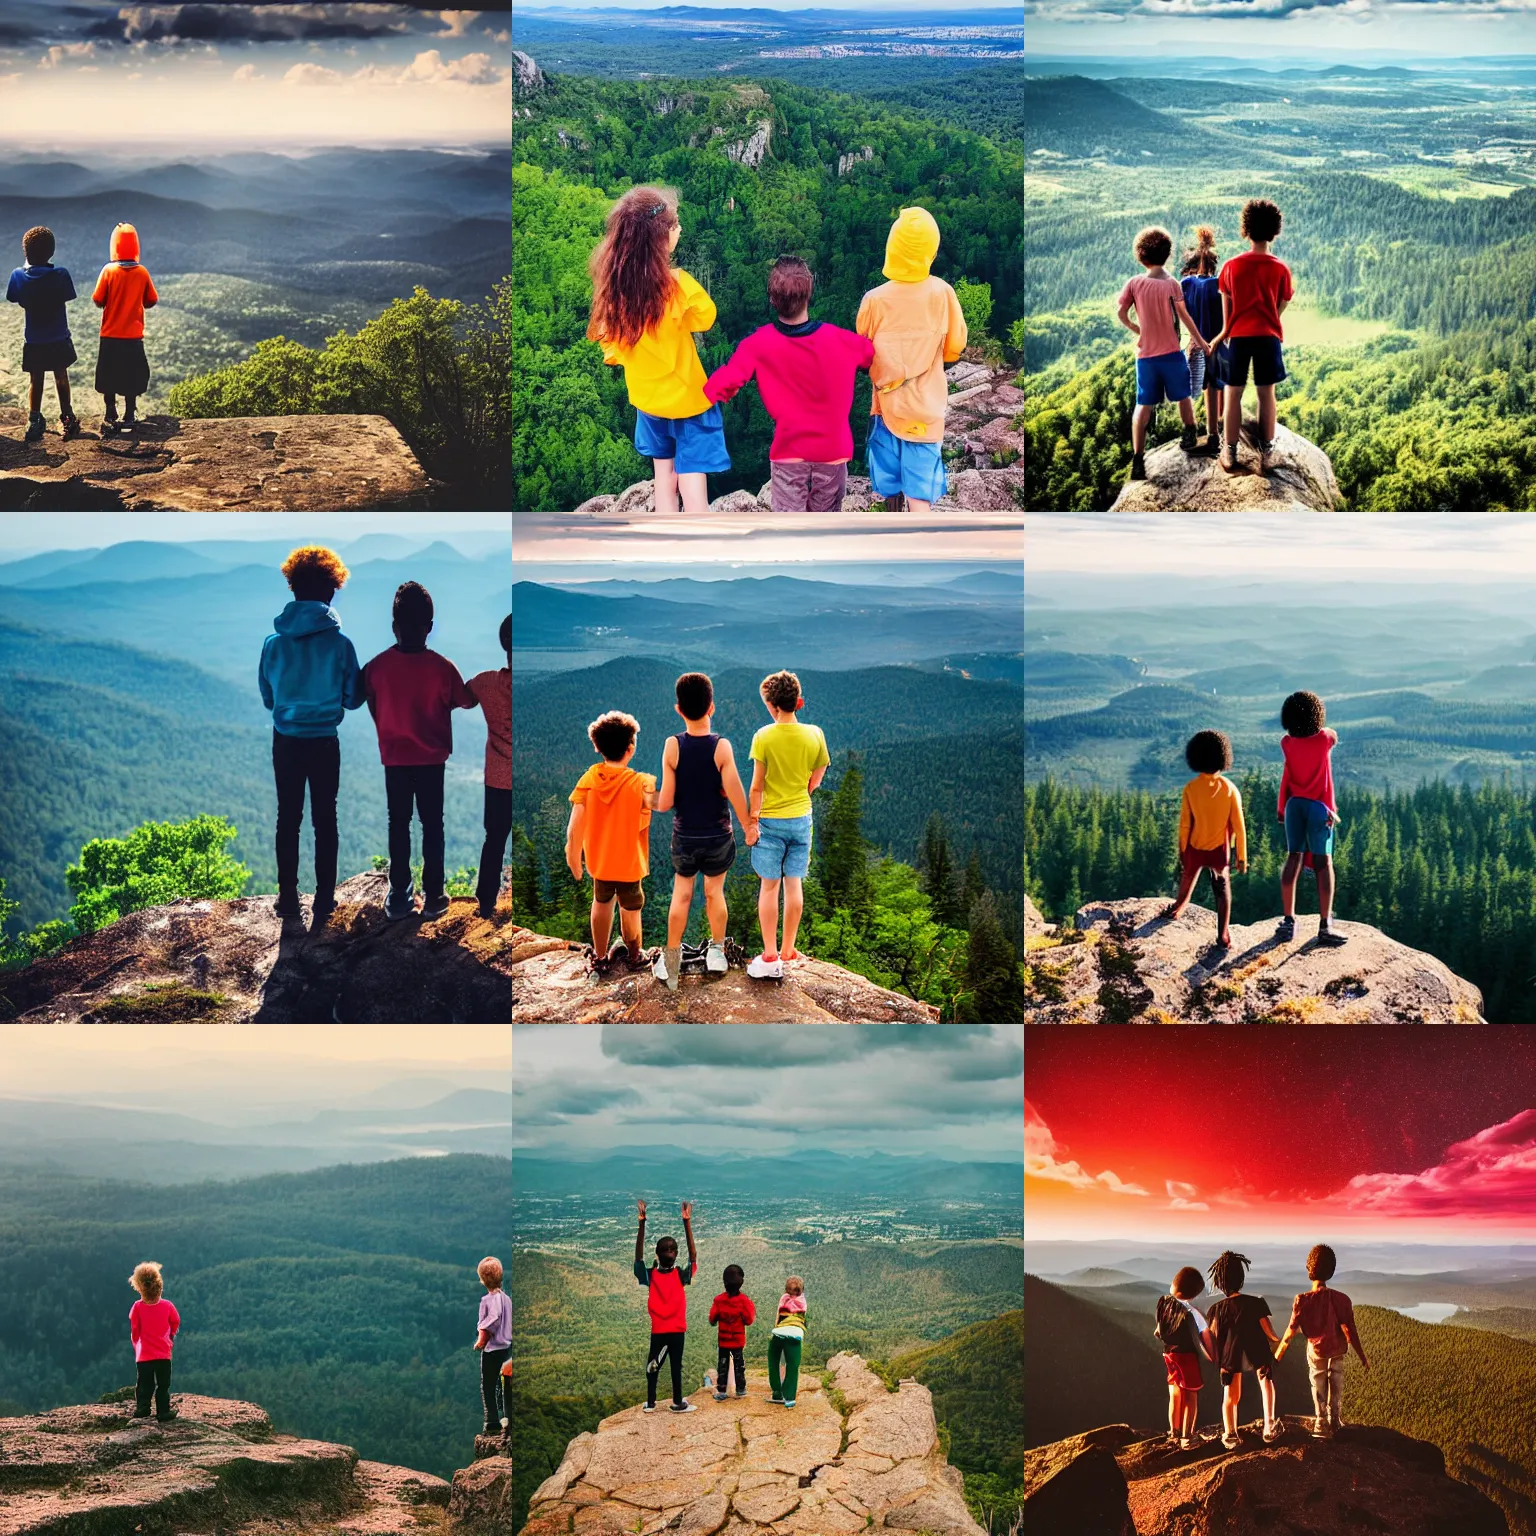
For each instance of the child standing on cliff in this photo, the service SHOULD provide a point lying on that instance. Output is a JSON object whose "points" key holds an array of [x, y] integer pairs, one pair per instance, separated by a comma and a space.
{"points": [[1308, 811], [123, 292], [494, 1341], [308, 678], [732, 1313], [153, 1324], [786, 1342], [1202, 298], [1326, 1319], [1185, 1338], [1241, 1336], [805, 373], [644, 314], [917, 327], [43, 290], [666, 1300], [494, 691], [1210, 824]]}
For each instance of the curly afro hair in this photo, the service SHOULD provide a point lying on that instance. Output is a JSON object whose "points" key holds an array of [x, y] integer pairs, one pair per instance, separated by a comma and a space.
{"points": [[1229, 1271], [1321, 1263], [1208, 752], [781, 690], [1261, 219], [1153, 246], [613, 734], [37, 243], [315, 573], [1303, 714]]}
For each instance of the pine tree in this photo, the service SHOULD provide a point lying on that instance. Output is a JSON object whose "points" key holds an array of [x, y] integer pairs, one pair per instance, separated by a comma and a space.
{"points": [[994, 986], [527, 885], [844, 861], [973, 884], [936, 867]]}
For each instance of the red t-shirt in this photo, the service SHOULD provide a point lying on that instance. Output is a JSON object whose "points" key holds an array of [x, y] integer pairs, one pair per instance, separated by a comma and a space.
{"points": [[413, 695], [1257, 283], [733, 1315], [1322, 1317], [666, 1300], [1308, 769], [152, 1325]]}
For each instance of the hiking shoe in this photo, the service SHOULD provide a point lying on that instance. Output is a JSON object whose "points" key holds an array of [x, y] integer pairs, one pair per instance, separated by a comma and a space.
{"points": [[288, 903], [487, 910], [399, 905], [70, 426], [1229, 458], [36, 426], [759, 968], [789, 1402], [721, 1397], [137, 1415], [491, 1429], [1187, 438], [1231, 1443], [649, 1408], [434, 906], [109, 426], [166, 1418], [1138, 466], [1330, 938], [1188, 1443], [321, 909], [1285, 929], [741, 1392], [1267, 455], [1212, 449], [685, 1407], [714, 959], [633, 958], [669, 966]]}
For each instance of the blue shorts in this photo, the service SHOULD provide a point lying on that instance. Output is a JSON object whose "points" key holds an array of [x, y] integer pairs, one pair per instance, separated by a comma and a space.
{"points": [[1307, 828], [695, 444], [1263, 352], [783, 847], [1165, 377], [897, 467]]}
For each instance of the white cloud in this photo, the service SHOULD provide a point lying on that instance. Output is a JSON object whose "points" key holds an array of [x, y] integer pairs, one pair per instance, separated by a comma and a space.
{"points": [[247, 72], [504, 36], [61, 51], [1181, 1196], [1042, 1162], [472, 69], [455, 22], [311, 74]]}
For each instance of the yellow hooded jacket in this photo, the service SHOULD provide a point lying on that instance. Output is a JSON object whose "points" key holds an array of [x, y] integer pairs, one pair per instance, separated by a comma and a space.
{"points": [[916, 325], [662, 370]]}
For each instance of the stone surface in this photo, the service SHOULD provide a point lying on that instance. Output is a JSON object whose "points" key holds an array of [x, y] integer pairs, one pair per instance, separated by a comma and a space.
{"points": [[748, 1466], [219, 1467], [237, 962], [527, 77], [753, 150], [234, 464], [1300, 479], [480, 1498], [1127, 964], [551, 984]]}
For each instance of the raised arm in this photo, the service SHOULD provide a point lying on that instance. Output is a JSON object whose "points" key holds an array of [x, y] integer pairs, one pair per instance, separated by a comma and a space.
{"points": [[668, 775], [640, 1234], [693, 1255]]}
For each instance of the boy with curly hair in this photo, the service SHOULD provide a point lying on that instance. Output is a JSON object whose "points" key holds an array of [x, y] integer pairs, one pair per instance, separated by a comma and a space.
{"points": [[1308, 811], [1326, 1319], [1210, 824], [1255, 288], [42, 290], [610, 828], [153, 1323], [1161, 370], [308, 678]]}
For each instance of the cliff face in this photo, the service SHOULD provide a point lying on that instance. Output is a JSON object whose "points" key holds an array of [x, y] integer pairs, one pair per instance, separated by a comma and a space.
{"points": [[869, 1462], [237, 962], [1301, 479], [1127, 965], [551, 984], [235, 464], [1117, 1481], [480, 1499]]}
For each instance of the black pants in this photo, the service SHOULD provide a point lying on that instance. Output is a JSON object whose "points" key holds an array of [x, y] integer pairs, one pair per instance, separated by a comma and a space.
{"points": [[154, 1377], [315, 761], [723, 1370], [422, 788], [668, 1347], [498, 828], [491, 1390]]}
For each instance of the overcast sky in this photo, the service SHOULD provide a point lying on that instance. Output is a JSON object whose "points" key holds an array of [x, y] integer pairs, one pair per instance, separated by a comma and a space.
{"points": [[950, 1090], [210, 77]]}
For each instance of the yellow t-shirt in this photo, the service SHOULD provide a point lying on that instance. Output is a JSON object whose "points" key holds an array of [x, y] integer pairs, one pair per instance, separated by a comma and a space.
{"points": [[662, 370], [791, 752]]}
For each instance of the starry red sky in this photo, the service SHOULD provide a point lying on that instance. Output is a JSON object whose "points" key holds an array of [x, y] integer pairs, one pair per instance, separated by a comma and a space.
{"points": [[1426, 1132]]}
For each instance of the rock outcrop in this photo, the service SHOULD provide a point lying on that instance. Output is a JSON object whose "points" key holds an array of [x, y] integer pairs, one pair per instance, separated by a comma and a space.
{"points": [[1300, 479], [527, 77], [868, 1460], [846, 163], [215, 464], [552, 984], [1125, 964], [752, 150], [1117, 1481], [219, 1466], [237, 962], [480, 1498]]}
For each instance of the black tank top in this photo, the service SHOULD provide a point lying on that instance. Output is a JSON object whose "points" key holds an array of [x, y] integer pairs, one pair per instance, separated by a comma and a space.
{"points": [[699, 807]]}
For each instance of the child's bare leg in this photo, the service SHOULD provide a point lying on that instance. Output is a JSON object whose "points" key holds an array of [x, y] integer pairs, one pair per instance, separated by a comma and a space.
{"points": [[666, 484], [768, 918], [1222, 885], [61, 383], [1231, 1398], [1141, 419], [1232, 414], [1322, 863], [794, 905], [714, 906], [694, 488], [35, 393], [1175, 1409], [602, 926], [1288, 877], [1186, 889], [629, 926], [1268, 412], [1187, 411], [677, 913], [1191, 1411], [914, 505], [1267, 1395]]}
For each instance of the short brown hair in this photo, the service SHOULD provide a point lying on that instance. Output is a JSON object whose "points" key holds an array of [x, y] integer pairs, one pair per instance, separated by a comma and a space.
{"points": [[695, 693], [613, 734], [1188, 1283], [38, 244], [489, 1270], [1153, 246], [794, 1285], [789, 286], [314, 568], [412, 608], [1321, 1263], [1261, 219], [781, 690]]}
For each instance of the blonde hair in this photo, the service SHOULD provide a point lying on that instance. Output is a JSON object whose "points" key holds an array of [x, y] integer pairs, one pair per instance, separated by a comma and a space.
{"points": [[795, 1285], [147, 1282], [490, 1272], [314, 566]]}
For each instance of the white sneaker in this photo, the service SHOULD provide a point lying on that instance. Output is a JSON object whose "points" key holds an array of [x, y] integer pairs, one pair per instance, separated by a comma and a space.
{"points": [[714, 960], [1188, 1443], [1231, 1442], [685, 1407], [759, 968]]}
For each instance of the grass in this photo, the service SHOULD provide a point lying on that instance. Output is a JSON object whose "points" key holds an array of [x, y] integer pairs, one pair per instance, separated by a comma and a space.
{"points": [[159, 1003]]}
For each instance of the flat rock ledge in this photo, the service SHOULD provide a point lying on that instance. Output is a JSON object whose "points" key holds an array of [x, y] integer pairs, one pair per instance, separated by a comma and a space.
{"points": [[213, 464], [480, 1500], [1300, 479], [858, 1458]]}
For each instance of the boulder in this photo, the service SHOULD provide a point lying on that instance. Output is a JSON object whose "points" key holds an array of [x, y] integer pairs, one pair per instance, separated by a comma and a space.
{"points": [[1035, 925], [1127, 964], [552, 984], [1076, 1485], [237, 962], [215, 464], [480, 1498], [1300, 479]]}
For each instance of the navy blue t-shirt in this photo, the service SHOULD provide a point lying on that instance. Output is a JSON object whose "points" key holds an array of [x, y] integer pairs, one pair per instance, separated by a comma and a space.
{"points": [[43, 291], [1202, 298]]}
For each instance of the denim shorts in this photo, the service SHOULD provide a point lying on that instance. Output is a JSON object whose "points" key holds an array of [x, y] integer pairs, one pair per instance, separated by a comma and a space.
{"points": [[695, 444], [783, 847], [1306, 827], [898, 467]]}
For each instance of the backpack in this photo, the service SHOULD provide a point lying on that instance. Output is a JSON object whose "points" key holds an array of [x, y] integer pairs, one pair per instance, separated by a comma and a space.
{"points": [[1171, 1321]]}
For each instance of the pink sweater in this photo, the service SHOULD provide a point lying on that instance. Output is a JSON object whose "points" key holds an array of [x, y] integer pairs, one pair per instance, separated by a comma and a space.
{"points": [[806, 381], [153, 1326]]}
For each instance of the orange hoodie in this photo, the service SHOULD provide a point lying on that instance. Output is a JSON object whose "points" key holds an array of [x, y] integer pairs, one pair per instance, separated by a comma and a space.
{"points": [[124, 290], [616, 836]]}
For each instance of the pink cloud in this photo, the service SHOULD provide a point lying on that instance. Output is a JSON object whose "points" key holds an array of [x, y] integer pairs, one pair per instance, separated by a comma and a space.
{"points": [[1041, 1161]]}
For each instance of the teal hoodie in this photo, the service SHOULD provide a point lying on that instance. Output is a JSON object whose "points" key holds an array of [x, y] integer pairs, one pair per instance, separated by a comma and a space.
{"points": [[309, 672]]}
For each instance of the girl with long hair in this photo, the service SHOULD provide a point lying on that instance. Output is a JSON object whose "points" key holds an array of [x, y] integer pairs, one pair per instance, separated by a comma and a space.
{"points": [[644, 314], [1202, 298]]}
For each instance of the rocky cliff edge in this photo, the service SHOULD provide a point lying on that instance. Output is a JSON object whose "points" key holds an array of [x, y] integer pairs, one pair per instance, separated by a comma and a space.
{"points": [[1126, 964], [1300, 479], [854, 1458]]}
